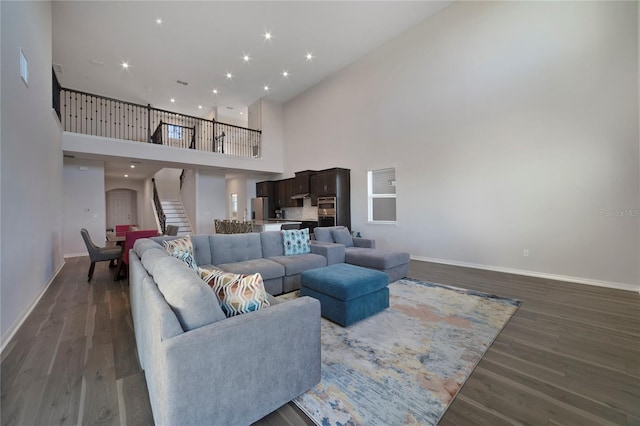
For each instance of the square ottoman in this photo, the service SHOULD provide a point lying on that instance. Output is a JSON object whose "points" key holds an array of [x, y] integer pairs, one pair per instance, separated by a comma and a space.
{"points": [[347, 293]]}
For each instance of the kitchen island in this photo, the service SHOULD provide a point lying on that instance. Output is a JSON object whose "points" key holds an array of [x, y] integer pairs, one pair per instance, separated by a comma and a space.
{"points": [[272, 224]]}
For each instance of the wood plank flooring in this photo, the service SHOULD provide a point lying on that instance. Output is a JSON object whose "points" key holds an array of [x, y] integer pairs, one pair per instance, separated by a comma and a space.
{"points": [[569, 356]]}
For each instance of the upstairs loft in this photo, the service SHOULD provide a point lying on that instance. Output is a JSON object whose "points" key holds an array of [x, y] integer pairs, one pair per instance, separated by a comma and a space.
{"points": [[103, 126]]}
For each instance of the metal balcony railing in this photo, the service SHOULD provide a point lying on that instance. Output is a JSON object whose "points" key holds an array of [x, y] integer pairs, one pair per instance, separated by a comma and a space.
{"points": [[97, 115]]}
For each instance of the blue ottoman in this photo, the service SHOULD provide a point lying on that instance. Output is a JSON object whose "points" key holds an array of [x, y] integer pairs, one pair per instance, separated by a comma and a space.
{"points": [[347, 293]]}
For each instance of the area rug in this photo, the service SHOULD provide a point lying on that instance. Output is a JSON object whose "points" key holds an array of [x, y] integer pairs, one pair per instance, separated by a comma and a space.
{"points": [[406, 364]]}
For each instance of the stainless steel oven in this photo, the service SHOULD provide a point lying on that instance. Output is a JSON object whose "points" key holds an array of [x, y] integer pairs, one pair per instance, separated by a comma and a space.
{"points": [[326, 206], [326, 211], [326, 221]]}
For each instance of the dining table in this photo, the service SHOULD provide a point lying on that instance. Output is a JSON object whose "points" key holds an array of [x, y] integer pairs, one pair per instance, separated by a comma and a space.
{"points": [[117, 238]]}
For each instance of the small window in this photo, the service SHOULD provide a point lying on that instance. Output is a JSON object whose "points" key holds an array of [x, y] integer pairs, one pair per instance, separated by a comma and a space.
{"points": [[382, 195], [234, 206], [174, 132]]}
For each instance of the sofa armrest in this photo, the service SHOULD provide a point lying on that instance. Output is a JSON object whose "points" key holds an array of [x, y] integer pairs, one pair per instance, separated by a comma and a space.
{"points": [[259, 361], [364, 243], [332, 251]]}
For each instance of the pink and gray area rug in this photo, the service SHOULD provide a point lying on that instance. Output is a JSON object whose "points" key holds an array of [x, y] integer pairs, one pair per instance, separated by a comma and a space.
{"points": [[406, 364]]}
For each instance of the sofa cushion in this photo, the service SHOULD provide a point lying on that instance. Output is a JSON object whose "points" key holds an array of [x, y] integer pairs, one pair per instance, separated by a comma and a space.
{"points": [[296, 241], [323, 234], [267, 268], [150, 259], [190, 298], [231, 248], [182, 244], [272, 244], [187, 258], [342, 236], [297, 264], [373, 258], [143, 244], [237, 293]]}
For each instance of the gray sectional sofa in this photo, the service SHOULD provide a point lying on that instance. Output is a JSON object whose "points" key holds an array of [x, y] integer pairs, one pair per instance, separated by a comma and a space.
{"points": [[342, 247], [255, 252], [203, 368]]}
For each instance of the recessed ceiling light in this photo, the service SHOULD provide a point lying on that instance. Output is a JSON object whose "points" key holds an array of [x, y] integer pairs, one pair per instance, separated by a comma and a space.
{"points": [[133, 166], [267, 35], [266, 88], [309, 56], [246, 58], [229, 75], [199, 106], [215, 91], [285, 73], [159, 21], [173, 100], [241, 112], [126, 175], [125, 65]]}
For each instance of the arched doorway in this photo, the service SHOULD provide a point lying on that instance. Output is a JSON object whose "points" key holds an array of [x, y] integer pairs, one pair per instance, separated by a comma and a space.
{"points": [[122, 207]]}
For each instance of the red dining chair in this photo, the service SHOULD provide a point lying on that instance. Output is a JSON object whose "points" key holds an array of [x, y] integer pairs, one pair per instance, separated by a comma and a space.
{"points": [[130, 238]]}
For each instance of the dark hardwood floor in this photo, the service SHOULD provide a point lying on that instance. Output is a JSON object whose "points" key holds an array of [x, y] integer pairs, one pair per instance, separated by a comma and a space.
{"points": [[569, 356]]}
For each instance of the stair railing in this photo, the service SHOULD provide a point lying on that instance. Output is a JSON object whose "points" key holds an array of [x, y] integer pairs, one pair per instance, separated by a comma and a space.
{"points": [[182, 176], [162, 218], [97, 115]]}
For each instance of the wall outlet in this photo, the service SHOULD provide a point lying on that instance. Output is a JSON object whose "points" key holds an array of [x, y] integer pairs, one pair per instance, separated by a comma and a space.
{"points": [[525, 252]]}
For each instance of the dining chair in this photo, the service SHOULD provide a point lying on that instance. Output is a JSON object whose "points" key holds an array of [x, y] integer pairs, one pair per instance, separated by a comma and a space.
{"points": [[130, 238], [220, 226], [171, 230], [98, 254]]}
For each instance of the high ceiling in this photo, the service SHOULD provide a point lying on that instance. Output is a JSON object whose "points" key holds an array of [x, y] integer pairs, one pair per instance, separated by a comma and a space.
{"points": [[200, 42]]}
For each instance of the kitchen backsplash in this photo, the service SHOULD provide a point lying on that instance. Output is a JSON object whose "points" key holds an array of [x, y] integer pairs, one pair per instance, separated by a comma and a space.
{"points": [[306, 212]]}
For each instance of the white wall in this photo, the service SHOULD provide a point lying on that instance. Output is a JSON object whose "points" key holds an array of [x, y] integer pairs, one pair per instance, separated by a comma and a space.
{"points": [[210, 200], [512, 125], [84, 204], [31, 164], [189, 196], [168, 183], [149, 218], [137, 185]]}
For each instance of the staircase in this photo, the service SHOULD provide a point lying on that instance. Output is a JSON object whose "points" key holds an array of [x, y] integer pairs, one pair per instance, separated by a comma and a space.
{"points": [[174, 211]]}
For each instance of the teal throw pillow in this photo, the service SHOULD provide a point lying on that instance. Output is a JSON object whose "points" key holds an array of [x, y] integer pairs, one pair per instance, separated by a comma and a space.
{"points": [[296, 241]]}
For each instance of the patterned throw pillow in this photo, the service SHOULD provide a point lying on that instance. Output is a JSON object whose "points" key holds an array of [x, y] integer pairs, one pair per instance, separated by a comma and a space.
{"points": [[180, 244], [187, 258], [296, 241], [237, 294]]}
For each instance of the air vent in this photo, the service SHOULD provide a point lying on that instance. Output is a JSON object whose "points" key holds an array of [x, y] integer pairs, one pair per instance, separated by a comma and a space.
{"points": [[68, 156], [229, 107], [184, 83], [57, 68]]}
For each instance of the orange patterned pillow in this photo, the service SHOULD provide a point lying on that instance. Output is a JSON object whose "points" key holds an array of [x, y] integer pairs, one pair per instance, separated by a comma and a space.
{"points": [[237, 293]]}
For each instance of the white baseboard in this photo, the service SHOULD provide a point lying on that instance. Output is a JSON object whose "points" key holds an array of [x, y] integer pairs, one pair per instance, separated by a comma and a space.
{"points": [[16, 325], [68, 255], [577, 280]]}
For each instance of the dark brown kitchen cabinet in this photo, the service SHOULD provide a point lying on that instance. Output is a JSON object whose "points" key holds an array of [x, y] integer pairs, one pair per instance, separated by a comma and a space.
{"points": [[334, 182], [265, 189], [329, 183], [283, 192], [301, 183]]}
